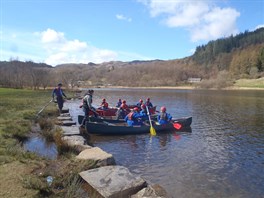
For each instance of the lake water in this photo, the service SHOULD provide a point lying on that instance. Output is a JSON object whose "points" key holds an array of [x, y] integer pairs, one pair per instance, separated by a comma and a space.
{"points": [[223, 155]]}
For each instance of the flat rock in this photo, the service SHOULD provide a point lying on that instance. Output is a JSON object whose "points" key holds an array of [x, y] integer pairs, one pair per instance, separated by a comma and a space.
{"points": [[95, 153], [74, 140], [62, 118], [65, 110], [67, 123], [65, 114], [70, 130], [113, 181], [151, 191]]}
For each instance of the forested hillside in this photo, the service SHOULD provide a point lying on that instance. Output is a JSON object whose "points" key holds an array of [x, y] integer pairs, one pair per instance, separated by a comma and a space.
{"points": [[225, 59]]}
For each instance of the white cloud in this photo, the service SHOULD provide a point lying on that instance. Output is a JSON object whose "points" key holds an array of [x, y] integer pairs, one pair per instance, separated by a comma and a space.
{"points": [[203, 19], [61, 50], [122, 17], [51, 36], [53, 47]]}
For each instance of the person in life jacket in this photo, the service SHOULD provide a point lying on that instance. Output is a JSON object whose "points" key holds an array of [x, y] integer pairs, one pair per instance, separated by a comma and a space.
{"points": [[58, 92], [119, 103], [104, 105], [144, 112], [163, 117], [87, 106], [122, 111], [148, 103], [140, 102], [134, 118]]}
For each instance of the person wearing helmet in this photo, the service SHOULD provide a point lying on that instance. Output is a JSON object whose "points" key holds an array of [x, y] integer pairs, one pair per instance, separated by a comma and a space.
{"points": [[140, 102], [144, 112], [164, 117], [87, 106], [122, 111], [119, 103], [104, 105], [58, 92], [148, 103], [134, 117]]}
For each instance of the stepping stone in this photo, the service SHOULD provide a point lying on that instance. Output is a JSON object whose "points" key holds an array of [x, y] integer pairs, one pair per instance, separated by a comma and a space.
{"points": [[65, 110], [68, 123], [70, 130], [151, 191], [61, 118], [113, 181], [103, 158], [74, 140], [65, 115]]}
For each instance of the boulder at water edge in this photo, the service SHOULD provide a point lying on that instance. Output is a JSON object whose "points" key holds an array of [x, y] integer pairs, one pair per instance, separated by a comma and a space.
{"points": [[113, 181]]}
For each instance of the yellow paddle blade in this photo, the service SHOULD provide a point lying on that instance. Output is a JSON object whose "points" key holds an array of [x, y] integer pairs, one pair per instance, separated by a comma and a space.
{"points": [[152, 131]]}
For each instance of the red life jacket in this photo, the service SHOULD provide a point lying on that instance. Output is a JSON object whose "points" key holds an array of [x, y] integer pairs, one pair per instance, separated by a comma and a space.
{"points": [[105, 104], [130, 115]]}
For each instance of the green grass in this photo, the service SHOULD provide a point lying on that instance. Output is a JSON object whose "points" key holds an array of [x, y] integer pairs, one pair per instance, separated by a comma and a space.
{"points": [[21, 169], [18, 110], [250, 83]]}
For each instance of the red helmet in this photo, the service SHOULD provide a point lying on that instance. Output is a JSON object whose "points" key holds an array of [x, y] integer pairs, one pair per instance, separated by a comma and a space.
{"points": [[123, 101], [104, 100], [148, 99], [136, 109], [140, 100], [143, 106], [123, 106], [163, 109]]}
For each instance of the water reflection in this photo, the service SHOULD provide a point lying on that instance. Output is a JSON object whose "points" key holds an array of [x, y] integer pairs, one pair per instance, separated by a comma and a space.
{"points": [[38, 144], [222, 156]]}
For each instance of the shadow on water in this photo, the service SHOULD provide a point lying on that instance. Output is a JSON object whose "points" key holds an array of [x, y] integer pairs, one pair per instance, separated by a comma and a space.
{"points": [[41, 147]]}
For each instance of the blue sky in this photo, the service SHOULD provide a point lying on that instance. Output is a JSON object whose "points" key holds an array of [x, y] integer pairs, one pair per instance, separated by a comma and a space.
{"points": [[82, 31]]}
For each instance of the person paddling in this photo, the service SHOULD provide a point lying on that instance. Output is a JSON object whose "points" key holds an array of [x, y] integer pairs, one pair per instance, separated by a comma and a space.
{"points": [[144, 112], [163, 117], [59, 96]]}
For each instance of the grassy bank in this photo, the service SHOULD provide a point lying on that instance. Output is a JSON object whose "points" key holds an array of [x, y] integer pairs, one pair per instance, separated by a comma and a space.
{"points": [[250, 83], [22, 173]]}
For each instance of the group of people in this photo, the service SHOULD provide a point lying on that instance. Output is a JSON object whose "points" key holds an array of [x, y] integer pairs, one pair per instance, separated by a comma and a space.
{"points": [[136, 116], [140, 113]]}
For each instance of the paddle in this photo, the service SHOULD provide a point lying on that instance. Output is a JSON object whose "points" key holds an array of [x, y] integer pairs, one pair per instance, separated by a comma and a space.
{"points": [[177, 125], [44, 107], [152, 130]]}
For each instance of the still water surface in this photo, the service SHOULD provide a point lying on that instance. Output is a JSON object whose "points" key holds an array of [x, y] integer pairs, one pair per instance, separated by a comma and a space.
{"points": [[223, 156]]}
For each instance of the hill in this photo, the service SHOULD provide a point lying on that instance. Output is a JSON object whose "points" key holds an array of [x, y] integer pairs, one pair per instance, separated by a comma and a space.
{"points": [[219, 62]]}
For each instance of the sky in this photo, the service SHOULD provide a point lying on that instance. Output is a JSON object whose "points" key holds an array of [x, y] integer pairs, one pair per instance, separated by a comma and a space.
{"points": [[82, 31]]}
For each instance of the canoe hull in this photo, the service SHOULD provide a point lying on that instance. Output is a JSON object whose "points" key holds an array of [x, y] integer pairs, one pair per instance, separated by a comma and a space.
{"points": [[104, 128]]}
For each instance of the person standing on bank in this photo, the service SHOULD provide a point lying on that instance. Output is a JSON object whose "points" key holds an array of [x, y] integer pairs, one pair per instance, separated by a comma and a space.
{"points": [[59, 96], [87, 106]]}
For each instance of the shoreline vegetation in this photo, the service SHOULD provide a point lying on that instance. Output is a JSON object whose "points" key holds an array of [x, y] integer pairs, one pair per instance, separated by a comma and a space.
{"points": [[241, 84]]}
